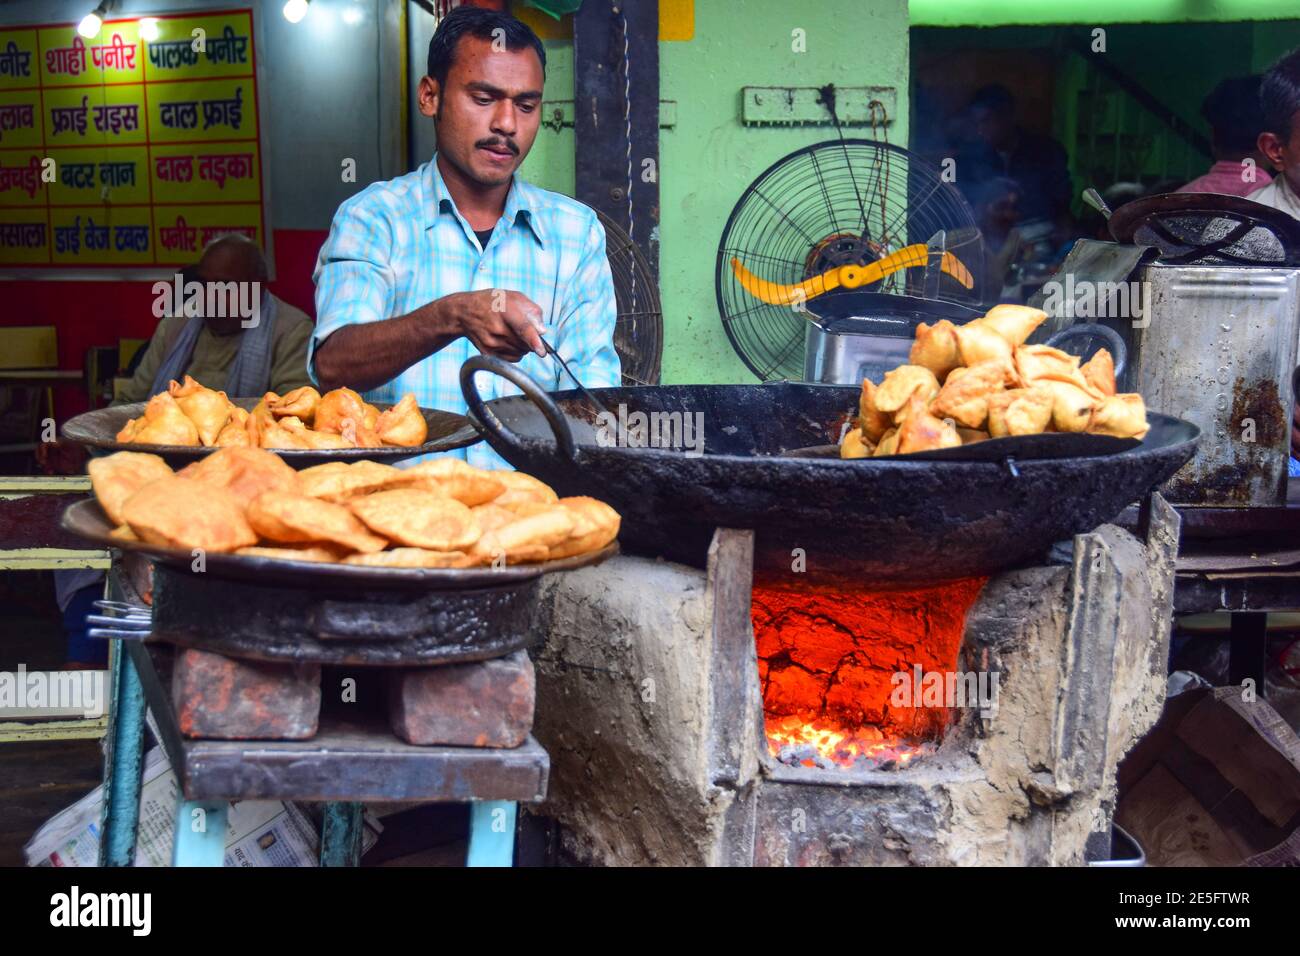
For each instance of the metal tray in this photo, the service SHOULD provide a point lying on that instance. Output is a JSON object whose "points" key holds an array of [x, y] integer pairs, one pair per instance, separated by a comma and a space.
{"points": [[97, 430], [87, 519]]}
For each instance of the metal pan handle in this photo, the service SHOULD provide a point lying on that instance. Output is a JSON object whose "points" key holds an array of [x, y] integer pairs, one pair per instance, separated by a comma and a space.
{"points": [[1084, 330], [529, 386]]}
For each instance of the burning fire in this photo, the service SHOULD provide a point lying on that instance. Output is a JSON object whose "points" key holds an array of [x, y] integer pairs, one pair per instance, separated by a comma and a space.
{"points": [[795, 741]]}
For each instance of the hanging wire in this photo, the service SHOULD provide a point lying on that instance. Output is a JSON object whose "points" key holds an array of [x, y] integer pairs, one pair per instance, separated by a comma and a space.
{"points": [[627, 127]]}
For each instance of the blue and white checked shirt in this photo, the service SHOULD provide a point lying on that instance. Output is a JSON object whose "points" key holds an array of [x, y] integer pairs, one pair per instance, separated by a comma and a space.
{"points": [[398, 245]]}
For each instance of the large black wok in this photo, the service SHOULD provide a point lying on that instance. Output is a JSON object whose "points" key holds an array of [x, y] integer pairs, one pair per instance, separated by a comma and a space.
{"points": [[894, 522]]}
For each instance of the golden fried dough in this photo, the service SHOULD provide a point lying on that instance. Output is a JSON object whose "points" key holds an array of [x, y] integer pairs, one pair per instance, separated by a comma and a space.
{"points": [[888, 444], [921, 431], [234, 433], [1042, 361], [414, 558], [871, 420], [1020, 411], [935, 348], [123, 532], [339, 481], [522, 490], [965, 399], [1123, 416], [209, 410], [418, 519], [904, 382], [1099, 372], [854, 445], [244, 472], [116, 478], [319, 553], [453, 478], [1014, 323], [297, 519], [281, 436], [491, 515], [188, 514], [300, 403], [337, 405], [165, 424], [313, 439], [595, 524], [970, 436], [978, 343], [403, 424], [1071, 405], [521, 539]]}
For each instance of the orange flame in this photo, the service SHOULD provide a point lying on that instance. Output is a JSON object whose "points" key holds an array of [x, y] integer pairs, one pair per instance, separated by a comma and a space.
{"points": [[836, 743]]}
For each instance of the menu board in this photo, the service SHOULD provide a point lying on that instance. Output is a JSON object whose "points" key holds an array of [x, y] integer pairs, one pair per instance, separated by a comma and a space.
{"points": [[119, 152]]}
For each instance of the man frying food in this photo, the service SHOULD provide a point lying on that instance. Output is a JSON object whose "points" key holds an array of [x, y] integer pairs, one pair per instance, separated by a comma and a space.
{"points": [[461, 256]]}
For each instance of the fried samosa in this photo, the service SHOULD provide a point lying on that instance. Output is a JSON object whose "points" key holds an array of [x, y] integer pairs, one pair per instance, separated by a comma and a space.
{"points": [[888, 444], [115, 478], [922, 431], [418, 519], [290, 518], [854, 445], [904, 382], [1020, 411], [208, 409], [1071, 405], [1123, 416], [165, 424], [301, 403], [1034, 362], [1015, 323], [965, 398], [1099, 372], [403, 424], [977, 343], [935, 348], [336, 406], [872, 420], [176, 512]]}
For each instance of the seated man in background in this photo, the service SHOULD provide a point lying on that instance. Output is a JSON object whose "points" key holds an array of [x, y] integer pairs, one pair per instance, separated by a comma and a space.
{"points": [[1232, 109], [217, 350]]}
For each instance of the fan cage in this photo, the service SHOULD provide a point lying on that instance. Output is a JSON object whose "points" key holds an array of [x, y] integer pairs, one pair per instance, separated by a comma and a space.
{"points": [[638, 332]]}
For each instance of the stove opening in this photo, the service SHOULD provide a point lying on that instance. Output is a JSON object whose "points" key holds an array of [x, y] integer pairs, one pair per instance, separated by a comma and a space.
{"points": [[863, 680]]}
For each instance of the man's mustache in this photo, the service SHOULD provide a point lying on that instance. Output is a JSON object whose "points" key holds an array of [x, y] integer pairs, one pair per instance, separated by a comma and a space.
{"points": [[493, 142]]}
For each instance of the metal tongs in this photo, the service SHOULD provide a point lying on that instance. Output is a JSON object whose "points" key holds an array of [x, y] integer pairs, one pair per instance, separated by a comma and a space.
{"points": [[121, 622]]}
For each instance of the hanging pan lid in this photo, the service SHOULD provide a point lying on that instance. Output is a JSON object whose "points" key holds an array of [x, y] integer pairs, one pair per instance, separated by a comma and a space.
{"points": [[1208, 229]]}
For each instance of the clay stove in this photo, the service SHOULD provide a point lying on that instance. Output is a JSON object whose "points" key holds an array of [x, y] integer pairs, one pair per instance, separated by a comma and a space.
{"points": [[703, 717]]}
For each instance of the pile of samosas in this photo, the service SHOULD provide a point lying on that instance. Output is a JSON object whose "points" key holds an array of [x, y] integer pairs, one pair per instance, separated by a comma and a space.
{"points": [[968, 383], [192, 414], [441, 513]]}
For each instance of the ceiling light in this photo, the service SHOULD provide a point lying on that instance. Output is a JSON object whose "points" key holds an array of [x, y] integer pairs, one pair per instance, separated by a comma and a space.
{"points": [[295, 10]]}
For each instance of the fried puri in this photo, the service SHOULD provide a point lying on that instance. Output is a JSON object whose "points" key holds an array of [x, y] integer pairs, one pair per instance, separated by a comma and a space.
{"points": [[317, 553], [339, 481], [290, 518], [115, 478], [453, 478], [526, 539], [522, 491], [418, 519], [244, 472], [188, 514], [595, 524]]}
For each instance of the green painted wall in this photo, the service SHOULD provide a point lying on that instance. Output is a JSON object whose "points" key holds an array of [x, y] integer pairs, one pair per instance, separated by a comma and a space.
{"points": [[708, 158], [988, 13]]}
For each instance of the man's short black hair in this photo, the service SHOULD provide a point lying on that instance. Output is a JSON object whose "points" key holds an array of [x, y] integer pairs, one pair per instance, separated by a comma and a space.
{"points": [[1279, 94], [483, 24], [1233, 111]]}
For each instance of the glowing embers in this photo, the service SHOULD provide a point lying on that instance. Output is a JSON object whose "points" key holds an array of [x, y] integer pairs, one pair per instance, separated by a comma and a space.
{"points": [[839, 670]]}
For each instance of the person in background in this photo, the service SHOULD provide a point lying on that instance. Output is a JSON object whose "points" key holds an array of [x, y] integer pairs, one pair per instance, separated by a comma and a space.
{"points": [[1233, 111], [1003, 149], [1279, 100], [217, 350]]}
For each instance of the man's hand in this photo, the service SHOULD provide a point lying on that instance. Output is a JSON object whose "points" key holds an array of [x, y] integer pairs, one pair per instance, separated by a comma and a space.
{"points": [[499, 322]]}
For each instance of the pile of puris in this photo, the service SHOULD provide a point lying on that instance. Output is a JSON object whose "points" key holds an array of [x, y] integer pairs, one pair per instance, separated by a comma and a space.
{"points": [[441, 513]]}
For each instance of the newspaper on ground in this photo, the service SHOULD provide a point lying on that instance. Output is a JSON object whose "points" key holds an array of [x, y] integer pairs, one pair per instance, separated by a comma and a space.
{"points": [[259, 832]]}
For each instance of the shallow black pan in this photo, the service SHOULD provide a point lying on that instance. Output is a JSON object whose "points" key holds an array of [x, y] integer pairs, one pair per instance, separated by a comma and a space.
{"points": [[87, 519], [896, 521], [97, 430]]}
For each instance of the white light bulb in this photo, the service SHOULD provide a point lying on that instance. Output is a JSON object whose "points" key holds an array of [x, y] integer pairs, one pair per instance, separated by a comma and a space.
{"points": [[89, 25], [149, 29], [295, 10]]}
